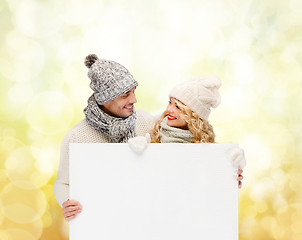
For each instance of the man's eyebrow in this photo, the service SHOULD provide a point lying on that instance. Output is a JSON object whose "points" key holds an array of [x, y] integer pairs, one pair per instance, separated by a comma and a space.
{"points": [[130, 91]]}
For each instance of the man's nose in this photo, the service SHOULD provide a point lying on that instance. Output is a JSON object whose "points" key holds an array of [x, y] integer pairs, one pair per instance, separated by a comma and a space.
{"points": [[133, 98]]}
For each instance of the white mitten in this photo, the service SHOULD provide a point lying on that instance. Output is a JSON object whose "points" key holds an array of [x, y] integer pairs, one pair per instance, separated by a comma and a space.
{"points": [[237, 157], [138, 144]]}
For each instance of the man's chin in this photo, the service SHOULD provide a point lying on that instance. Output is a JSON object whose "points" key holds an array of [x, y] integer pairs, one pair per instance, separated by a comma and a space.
{"points": [[127, 113]]}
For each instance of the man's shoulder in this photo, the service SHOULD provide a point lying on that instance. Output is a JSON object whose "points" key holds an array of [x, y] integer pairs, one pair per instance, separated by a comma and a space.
{"points": [[82, 132], [80, 125]]}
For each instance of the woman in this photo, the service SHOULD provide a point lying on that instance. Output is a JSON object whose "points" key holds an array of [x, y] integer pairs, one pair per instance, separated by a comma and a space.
{"points": [[186, 117]]}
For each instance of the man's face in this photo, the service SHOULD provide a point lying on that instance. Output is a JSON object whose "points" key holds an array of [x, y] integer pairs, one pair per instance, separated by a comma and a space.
{"points": [[121, 106]]}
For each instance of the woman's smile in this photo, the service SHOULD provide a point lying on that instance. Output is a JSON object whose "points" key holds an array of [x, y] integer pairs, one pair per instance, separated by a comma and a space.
{"points": [[174, 118], [170, 117]]}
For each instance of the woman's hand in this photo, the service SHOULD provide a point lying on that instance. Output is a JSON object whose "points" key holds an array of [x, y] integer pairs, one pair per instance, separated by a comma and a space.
{"points": [[236, 155], [239, 178], [70, 209]]}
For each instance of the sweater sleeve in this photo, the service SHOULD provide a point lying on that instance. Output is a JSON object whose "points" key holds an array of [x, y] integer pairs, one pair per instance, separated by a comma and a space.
{"points": [[61, 186], [144, 122]]}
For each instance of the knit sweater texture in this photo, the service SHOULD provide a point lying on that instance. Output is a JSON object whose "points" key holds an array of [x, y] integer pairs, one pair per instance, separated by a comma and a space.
{"points": [[83, 133]]}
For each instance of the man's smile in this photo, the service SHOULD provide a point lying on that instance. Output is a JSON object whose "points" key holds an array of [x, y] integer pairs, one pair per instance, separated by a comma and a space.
{"points": [[129, 107]]}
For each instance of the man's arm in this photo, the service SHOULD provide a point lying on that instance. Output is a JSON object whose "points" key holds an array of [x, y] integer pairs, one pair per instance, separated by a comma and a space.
{"points": [[61, 186], [70, 208]]}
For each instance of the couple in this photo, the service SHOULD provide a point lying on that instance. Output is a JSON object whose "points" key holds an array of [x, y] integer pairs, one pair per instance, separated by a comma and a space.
{"points": [[110, 117]]}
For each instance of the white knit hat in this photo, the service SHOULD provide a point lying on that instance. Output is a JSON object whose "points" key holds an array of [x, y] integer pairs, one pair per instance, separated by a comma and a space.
{"points": [[200, 94]]}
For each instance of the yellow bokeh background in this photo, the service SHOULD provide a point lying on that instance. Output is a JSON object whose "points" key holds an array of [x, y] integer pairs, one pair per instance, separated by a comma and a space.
{"points": [[253, 46]]}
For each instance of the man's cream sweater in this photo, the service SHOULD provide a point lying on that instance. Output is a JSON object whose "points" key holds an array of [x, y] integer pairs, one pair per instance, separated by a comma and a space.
{"points": [[83, 133]]}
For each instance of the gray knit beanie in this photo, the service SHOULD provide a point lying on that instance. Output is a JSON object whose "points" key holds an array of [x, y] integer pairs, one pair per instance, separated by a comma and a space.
{"points": [[200, 94], [109, 80]]}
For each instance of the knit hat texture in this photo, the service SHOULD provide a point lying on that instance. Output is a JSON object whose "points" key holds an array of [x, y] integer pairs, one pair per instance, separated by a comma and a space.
{"points": [[109, 79], [200, 94]]}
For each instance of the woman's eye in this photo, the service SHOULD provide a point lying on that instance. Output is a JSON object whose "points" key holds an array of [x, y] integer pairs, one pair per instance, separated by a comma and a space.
{"points": [[169, 102], [177, 107]]}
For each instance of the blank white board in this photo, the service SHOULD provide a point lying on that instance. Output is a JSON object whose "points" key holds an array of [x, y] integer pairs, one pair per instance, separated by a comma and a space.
{"points": [[168, 192]]}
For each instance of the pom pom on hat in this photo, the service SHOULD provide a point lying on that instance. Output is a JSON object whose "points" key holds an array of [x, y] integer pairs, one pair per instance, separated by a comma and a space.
{"points": [[208, 82], [199, 93], [90, 59], [212, 84]]}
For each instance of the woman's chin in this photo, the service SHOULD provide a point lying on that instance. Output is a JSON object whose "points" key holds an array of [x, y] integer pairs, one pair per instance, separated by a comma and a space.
{"points": [[169, 123], [172, 124]]}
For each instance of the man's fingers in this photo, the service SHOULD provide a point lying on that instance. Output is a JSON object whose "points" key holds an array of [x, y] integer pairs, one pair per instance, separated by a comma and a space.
{"points": [[70, 218], [68, 214], [71, 210], [70, 203], [239, 178]]}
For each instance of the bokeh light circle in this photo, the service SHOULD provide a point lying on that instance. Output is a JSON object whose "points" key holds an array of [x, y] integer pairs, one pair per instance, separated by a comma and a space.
{"points": [[20, 69], [8, 143], [35, 18], [22, 202], [50, 113], [20, 165], [46, 155], [16, 233], [4, 235], [1, 220], [34, 228], [3, 179]]}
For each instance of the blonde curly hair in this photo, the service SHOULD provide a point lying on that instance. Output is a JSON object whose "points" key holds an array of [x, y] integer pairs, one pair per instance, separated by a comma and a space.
{"points": [[201, 129]]}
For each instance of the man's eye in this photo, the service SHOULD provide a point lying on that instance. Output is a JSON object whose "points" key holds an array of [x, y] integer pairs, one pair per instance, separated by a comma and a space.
{"points": [[169, 102]]}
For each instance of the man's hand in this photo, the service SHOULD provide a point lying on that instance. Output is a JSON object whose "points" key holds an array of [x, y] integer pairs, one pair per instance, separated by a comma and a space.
{"points": [[70, 209], [138, 144], [239, 178]]}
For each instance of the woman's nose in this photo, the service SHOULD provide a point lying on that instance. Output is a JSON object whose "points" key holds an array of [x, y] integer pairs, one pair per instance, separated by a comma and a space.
{"points": [[169, 109]]}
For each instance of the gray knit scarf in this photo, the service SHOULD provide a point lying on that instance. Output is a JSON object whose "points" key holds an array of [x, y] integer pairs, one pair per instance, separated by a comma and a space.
{"points": [[118, 130], [174, 135]]}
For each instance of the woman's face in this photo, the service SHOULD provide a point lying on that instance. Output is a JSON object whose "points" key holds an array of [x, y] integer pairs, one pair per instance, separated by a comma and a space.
{"points": [[173, 117]]}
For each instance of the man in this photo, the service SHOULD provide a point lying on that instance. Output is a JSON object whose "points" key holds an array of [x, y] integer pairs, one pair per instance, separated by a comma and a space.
{"points": [[110, 117]]}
